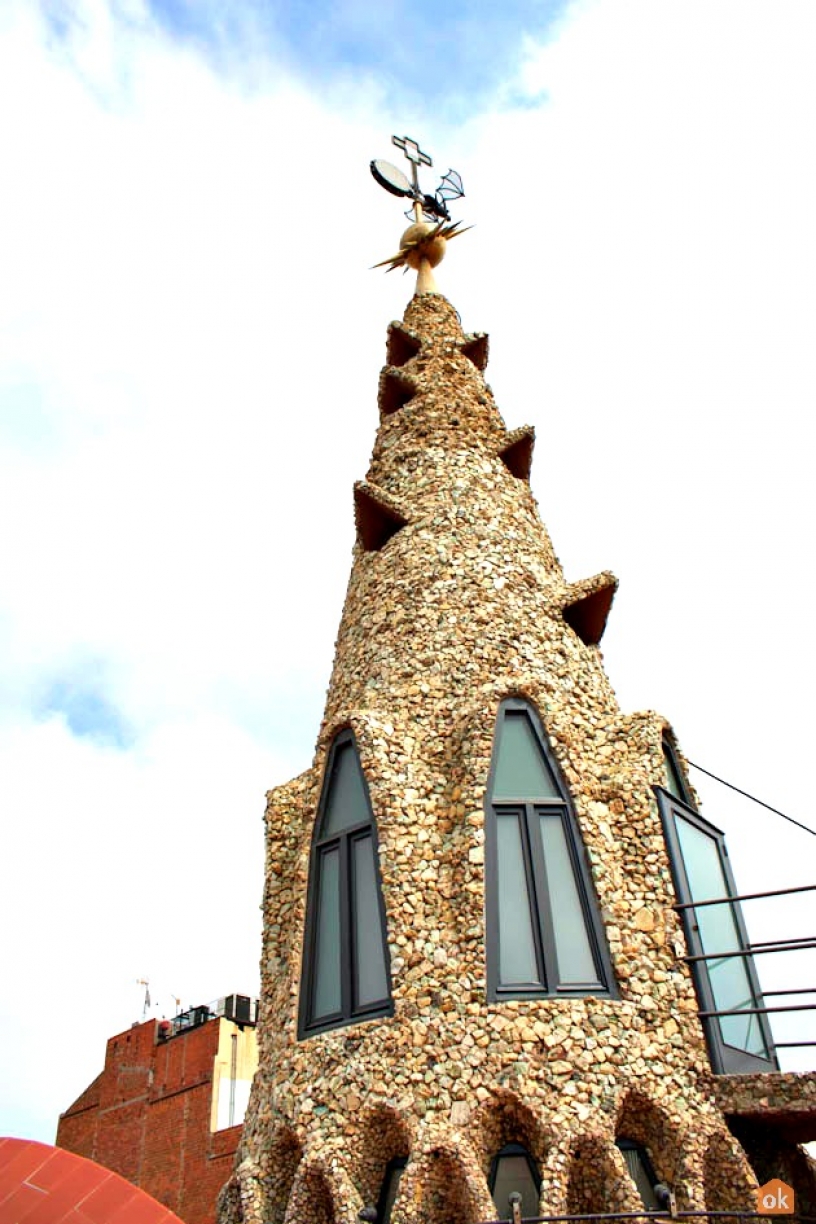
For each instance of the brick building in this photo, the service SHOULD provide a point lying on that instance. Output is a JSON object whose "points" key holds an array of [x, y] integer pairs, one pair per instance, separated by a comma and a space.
{"points": [[483, 972], [166, 1110]]}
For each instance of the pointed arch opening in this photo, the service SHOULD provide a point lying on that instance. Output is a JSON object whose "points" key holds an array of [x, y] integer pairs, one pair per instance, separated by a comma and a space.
{"points": [[544, 932], [380, 1157], [513, 1171], [346, 975]]}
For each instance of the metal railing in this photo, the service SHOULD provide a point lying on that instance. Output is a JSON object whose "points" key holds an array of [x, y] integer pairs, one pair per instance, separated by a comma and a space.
{"points": [[751, 950]]}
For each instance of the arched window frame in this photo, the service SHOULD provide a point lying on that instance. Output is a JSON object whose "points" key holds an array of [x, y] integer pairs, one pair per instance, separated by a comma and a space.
{"points": [[513, 1151], [390, 1188], [350, 1011], [529, 809], [640, 1169], [676, 781]]}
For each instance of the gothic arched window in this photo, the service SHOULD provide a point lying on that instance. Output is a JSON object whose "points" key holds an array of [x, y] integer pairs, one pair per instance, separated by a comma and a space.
{"points": [[514, 1171], [345, 960], [544, 934]]}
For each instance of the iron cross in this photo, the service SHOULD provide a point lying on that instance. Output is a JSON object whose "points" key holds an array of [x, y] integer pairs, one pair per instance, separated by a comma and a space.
{"points": [[414, 154]]}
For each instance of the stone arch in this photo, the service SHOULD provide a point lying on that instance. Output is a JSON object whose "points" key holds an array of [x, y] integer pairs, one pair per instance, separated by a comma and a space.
{"points": [[647, 1123], [281, 1158], [446, 1186], [383, 1136], [772, 1154], [598, 1179], [228, 1203], [505, 1118], [728, 1179], [313, 1196]]}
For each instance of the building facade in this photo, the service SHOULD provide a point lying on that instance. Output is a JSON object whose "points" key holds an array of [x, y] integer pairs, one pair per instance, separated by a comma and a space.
{"points": [[166, 1111], [474, 973]]}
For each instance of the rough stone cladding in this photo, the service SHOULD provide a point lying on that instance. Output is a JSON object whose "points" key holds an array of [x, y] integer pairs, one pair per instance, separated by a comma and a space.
{"points": [[462, 607]]}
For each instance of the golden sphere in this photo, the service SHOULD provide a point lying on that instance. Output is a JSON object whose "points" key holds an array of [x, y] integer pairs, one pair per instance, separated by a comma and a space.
{"points": [[422, 246]]}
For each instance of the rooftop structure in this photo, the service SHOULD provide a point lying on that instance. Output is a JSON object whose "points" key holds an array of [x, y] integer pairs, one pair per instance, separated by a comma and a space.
{"points": [[491, 981], [166, 1111]]}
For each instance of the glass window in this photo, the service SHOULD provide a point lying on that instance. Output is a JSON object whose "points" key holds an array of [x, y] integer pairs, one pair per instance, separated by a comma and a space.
{"points": [[514, 1171], [390, 1186], [641, 1172], [718, 932], [346, 801], [544, 933], [724, 974], [345, 962], [521, 772], [674, 781]]}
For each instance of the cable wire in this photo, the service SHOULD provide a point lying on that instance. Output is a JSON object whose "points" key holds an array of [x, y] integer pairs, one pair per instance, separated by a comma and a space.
{"points": [[753, 798]]}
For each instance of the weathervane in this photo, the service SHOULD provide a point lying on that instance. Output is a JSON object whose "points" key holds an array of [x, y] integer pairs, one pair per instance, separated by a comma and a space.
{"points": [[422, 246]]}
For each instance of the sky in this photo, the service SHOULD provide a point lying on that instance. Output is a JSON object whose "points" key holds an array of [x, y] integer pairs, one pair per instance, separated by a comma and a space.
{"points": [[190, 340]]}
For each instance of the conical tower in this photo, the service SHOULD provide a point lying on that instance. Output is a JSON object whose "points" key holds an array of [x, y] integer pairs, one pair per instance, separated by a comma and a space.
{"points": [[474, 974]]}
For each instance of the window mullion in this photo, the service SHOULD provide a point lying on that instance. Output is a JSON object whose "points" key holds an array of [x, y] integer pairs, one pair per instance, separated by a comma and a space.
{"points": [[546, 940], [346, 931]]}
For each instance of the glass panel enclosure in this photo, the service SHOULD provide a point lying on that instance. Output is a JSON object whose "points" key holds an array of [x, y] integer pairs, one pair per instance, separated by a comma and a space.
{"points": [[370, 976], [521, 771], [573, 950], [739, 1042], [517, 956], [730, 983]]}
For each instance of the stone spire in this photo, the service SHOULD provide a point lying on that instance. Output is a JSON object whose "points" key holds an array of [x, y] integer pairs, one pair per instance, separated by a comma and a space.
{"points": [[456, 608]]}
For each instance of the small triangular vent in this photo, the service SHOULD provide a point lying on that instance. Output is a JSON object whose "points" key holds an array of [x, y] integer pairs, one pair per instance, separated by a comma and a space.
{"points": [[475, 347], [517, 452], [395, 390], [376, 516], [402, 345], [588, 606]]}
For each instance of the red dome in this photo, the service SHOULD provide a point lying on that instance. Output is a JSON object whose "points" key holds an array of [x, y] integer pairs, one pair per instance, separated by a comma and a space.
{"points": [[47, 1185]]}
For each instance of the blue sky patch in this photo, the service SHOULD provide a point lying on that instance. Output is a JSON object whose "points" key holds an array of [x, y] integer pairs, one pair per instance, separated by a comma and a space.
{"points": [[449, 54], [87, 711]]}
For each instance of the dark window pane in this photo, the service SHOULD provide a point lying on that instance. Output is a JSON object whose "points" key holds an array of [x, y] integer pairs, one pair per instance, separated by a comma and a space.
{"points": [[573, 949], [369, 960], [346, 802], [517, 959], [327, 994], [389, 1190], [513, 1173], [521, 771], [640, 1172], [730, 984], [674, 783]]}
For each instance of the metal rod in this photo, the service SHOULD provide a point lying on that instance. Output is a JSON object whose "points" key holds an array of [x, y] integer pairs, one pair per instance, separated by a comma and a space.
{"points": [[776, 892], [655, 1215], [791, 1045], [797, 990], [753, 798], [759, 1011], [782, 945]]}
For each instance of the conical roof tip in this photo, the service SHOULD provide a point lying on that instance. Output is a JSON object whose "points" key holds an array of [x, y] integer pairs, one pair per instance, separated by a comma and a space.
{"points": [[430, 315]]}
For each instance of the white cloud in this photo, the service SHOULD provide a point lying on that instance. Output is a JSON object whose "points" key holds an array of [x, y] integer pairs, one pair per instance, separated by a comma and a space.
{"points": [[192, 337]]}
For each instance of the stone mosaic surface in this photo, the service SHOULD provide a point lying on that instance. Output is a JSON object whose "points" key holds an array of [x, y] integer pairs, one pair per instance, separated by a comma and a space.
{"points": [[462, 607]]}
